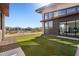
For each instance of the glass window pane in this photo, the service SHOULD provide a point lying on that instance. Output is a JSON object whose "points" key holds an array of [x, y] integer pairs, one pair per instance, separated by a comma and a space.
{"points": [[68, 29], [70, 10], [42, 16], [62, 28], [56, 14], [78, 8], [46, 15], [77, 25], [50, 14], [46, 25], [62, 12], [50, 24], [71, 28], [0, 12]]}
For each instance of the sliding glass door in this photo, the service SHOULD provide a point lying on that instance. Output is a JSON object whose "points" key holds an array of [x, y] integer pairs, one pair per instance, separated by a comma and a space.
{"points": [[69, 28]]}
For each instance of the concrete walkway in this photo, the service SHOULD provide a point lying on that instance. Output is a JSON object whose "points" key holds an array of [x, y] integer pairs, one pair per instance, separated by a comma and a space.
{"points": [[9, 47], [68, 37], [13, 52]]}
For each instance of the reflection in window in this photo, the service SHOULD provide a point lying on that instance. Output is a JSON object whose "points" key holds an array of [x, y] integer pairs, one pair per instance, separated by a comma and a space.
{"points": [[70, 10]]}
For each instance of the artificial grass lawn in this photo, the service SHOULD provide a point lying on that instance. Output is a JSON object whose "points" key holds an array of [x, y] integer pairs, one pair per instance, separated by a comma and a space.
{"points": [[37, 45]]}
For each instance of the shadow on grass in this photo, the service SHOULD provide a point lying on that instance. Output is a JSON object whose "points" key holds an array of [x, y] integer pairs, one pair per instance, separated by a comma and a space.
{"points": [[42, 46]]}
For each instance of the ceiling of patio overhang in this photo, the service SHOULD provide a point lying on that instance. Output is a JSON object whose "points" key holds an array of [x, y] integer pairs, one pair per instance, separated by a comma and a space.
{"points": [[5, 8]]}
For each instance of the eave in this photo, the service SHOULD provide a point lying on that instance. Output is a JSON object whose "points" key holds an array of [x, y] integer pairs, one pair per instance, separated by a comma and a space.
{"points": [[4, 7]]}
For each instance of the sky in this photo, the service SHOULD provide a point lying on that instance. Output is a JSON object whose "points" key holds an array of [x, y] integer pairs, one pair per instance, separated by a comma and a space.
{"points": [[23, 15]]}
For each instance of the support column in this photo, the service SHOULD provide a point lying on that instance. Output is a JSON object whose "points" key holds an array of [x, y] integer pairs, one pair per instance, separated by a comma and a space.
{"points": [[3, 26]]}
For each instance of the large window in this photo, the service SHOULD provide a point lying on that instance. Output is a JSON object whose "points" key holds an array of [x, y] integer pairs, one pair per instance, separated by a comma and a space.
{"points": [[71, 28], [78, 8], [50, 24], [62, 12], [59, 13], [77, 25], [70, 10], [43, 16], [46, 16], [51, 15], [46, 25], [62, 27], [56, 13]]}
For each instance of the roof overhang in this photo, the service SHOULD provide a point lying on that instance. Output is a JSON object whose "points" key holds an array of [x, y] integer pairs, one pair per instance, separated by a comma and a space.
{"points": [[55, 6], [4, 7], [40, 10]]}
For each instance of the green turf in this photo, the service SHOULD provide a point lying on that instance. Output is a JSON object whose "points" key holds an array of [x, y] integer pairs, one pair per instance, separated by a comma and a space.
{"points": [[36, 45]]}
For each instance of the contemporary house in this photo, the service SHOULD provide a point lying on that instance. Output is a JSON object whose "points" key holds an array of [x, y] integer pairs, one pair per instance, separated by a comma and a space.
{"points": [[60, 19], [4, 11]]}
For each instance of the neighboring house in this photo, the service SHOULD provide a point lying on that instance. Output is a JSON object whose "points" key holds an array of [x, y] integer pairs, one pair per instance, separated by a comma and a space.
{"points": [[60, 19], [4, 11]]}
